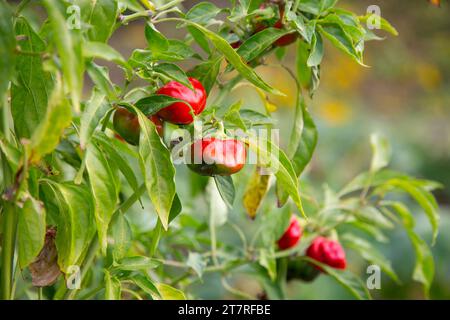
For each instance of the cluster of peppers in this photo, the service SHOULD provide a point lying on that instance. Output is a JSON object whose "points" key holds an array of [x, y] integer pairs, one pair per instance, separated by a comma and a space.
{"points": [[210, 156], [226, 156], [219, 156], [323, 250]]}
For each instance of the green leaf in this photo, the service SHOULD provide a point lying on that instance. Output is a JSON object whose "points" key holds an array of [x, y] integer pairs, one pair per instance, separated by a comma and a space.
{"points": [[114, 152], [96, 108], [306, 30], [176, 208], [137, 263], [316, 55], [103, 51], [424, 198], [75, 222], [234, 58], [259, 42], [170, 293], [273, 289], [226, 189], [29, 94], [207, 72], [369, 229], [104, 186], [174, 72], [100, 77], [302, 143], [11, 153], [49, 131], [346, 279], [100, 16], [369, 253], [196, 262], [381, 152], [340, 39], [233, 116], [147, 285], [200, 38], [69, 47], [255, 118], [379, 178], [157, 42], [218, 210], [7, 46], [274, 158], [424, 268], [121, 234], [304, 73], [374, 217], [203, 13], [327, 4], [152, 104], [112, 287], [384, 24], [30, 231], [268, 262], [157, 169]]}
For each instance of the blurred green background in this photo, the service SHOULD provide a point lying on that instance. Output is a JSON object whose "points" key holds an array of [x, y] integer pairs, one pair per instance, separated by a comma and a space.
{"points": [[403, 95]]}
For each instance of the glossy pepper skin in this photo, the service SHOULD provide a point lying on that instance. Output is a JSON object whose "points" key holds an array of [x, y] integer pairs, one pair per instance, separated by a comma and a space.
{"points": [[291, 236], [178, 112], [328, 252], [127, 127], [217, 157], [284, 40]]}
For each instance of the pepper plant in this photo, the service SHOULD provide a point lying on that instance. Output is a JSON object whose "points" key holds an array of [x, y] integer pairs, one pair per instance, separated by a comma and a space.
{"points": [[94, 203]]}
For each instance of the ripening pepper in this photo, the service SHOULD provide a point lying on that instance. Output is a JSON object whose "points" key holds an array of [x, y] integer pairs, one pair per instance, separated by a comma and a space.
{"points": [[179, 112], [217, 157], [328, 252], [126, 125], [291, 236]]}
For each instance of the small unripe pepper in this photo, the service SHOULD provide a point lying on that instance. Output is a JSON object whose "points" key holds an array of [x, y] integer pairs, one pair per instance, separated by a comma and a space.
{"points": [[291, 236], [179, 112], [126, 124], [328, 252], [301, 270], [217, 157]]}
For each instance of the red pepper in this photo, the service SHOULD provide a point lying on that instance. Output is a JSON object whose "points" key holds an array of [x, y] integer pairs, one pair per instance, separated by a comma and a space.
{"points": [[328, 252], [178, 112], [291, 236], [213, 156], [127, 127]]}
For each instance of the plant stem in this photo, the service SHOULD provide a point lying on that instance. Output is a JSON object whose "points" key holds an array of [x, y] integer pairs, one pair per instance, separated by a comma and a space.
{"points": [[9, 239], [212, 230], [142, 14]]}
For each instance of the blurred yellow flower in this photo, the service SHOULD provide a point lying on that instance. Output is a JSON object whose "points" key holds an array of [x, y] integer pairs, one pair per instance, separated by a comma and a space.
{"points": [[335, 112], [428, 76]]}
